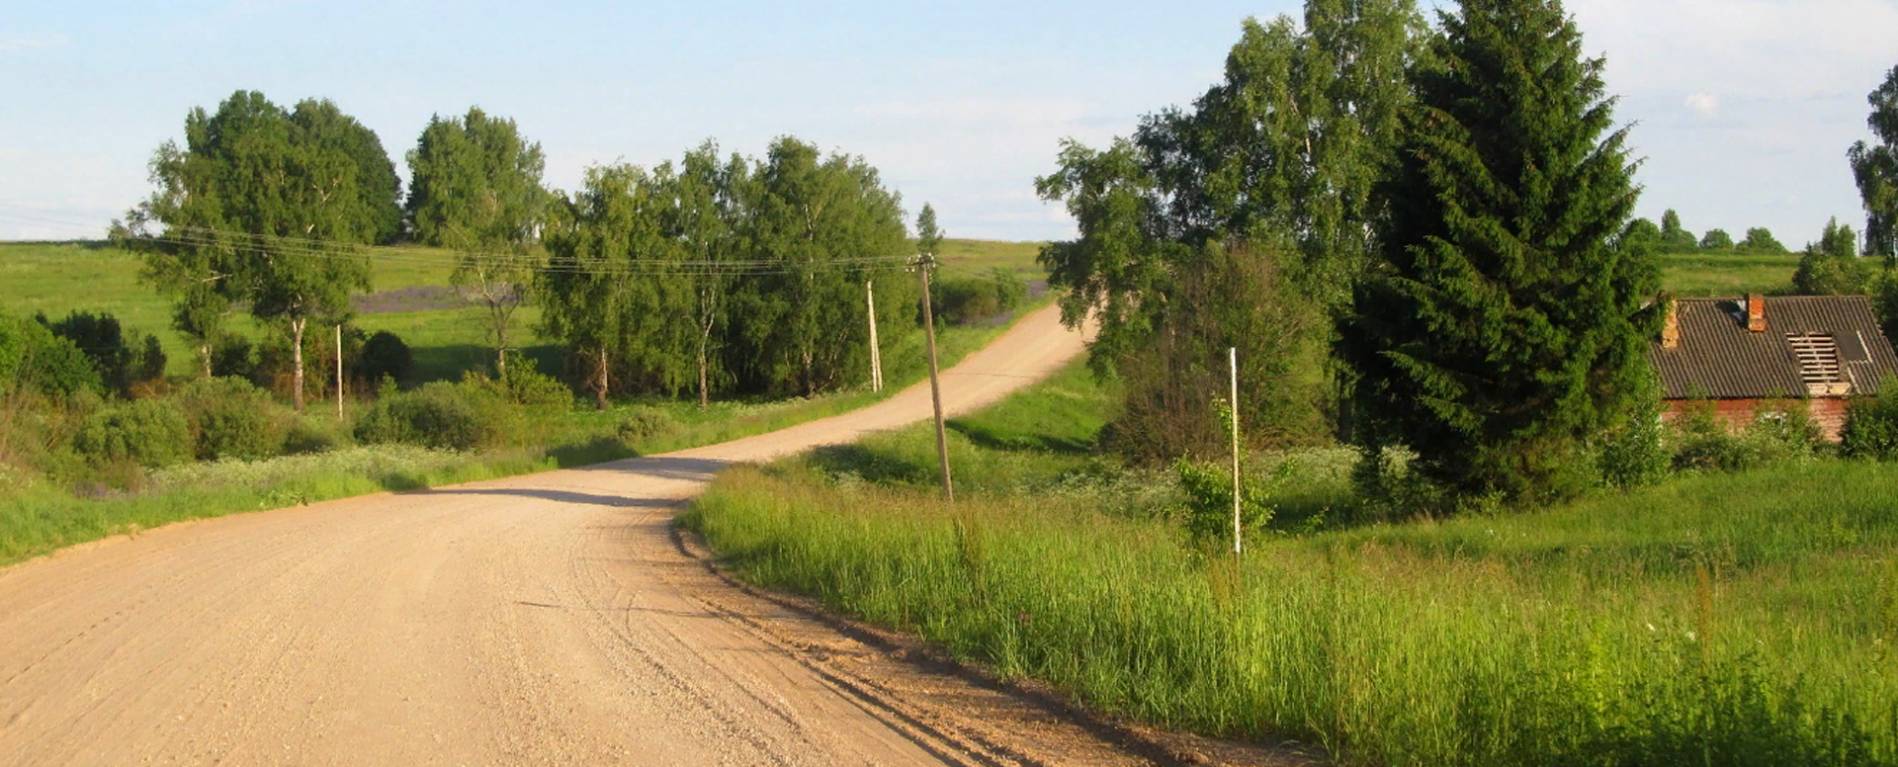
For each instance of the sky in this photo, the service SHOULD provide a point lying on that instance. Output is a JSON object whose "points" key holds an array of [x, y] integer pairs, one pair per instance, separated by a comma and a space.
{"points": [[1741, 109]]}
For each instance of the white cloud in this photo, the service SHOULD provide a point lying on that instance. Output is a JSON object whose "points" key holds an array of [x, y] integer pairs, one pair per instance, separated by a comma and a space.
{"points": [[1704, 104]]}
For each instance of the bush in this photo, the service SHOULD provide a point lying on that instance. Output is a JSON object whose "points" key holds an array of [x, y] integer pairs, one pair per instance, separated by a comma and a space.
{"points": [[459, 416], [1206, 511], [232, 357], [1779, 433], [33, 359], [1633, 455], [966, 300], [526, 386], [149, 433], [109, 349], [385, 355], [1871, 427], [312, 434], [643, 423], [231, 418]]}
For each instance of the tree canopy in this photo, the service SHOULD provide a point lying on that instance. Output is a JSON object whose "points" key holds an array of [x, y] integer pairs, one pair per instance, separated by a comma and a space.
{"points": [[1674, 238], [1278, 162], [1875, 166], [1504, 327], [263, 208], [477, 189], [1759, 239], [743, 274]]}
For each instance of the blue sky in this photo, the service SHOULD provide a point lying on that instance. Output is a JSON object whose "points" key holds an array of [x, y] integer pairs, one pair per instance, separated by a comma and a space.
{"points": [[1743, 109]]}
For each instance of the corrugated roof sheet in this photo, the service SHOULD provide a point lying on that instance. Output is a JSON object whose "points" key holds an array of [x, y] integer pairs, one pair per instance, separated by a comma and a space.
{"points": [[1719, 359]]}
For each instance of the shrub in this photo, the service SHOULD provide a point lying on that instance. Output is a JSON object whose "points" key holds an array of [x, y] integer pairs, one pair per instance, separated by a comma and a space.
{"points": [[232, 357], [385, 355], [1778, 433], [312, 434], [1206, 508], [643, 423], [966, 300], [146, 432], [110, 350], [526, 386], [1633, 455], [1871, 427], [231, 418], [459, 416], [32, 358]]}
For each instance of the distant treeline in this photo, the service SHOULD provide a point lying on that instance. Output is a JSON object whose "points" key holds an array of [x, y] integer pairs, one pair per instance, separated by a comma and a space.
{"points": [[714, 273]]}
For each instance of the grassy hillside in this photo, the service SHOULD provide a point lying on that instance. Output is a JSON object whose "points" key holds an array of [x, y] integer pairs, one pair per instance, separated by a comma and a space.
{"points": [[1701, 274], [1716, 619]]}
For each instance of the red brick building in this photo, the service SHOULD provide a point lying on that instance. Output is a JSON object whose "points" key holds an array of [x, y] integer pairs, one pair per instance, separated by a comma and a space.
{"points": [[1742, 354]]}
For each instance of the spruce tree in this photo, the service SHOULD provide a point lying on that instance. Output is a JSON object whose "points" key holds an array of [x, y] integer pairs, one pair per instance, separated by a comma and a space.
{"points": [[1505, 327]]}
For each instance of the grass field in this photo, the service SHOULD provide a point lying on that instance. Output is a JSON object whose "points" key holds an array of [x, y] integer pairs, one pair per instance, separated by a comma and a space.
{"points": [[1716, 619], [1699, 274]]}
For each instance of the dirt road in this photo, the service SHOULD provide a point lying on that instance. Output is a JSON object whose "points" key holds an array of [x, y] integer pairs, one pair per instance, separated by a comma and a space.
{"points": [[546, 619]]}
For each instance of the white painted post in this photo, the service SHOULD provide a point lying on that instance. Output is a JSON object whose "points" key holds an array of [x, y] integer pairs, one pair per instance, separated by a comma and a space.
{"points": [[876, 354], [1237, 546], [339, 372]]}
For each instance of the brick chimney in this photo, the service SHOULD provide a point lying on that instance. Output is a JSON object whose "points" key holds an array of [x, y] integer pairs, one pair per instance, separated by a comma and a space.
{"points": [[1671, 327], [1756, 313]]}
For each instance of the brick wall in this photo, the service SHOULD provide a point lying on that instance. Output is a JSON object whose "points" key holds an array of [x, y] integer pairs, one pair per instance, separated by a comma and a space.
{"points": [[1828, 412]]}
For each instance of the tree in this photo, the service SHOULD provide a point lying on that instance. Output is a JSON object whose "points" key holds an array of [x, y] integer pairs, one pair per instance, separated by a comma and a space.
{"points": [[1673, 238], [477, 190], [1504, 327], [258, 209], [706, 220], [1832, 266], [1279, 161], [928, 235], [1875, 166], [325, 126], [812, 220], [581, 289], [1716, 239], [1759, 239]]}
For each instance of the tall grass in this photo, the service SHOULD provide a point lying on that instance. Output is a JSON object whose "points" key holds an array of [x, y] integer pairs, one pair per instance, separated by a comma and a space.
{"points": [[1719, 619]]}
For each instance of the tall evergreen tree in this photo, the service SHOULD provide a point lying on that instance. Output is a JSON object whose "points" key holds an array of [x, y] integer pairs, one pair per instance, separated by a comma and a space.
{"points": [[1505, 326]]}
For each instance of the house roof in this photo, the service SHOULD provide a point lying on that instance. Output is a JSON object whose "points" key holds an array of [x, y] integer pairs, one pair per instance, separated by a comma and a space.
{"points": [[1718, 358]]}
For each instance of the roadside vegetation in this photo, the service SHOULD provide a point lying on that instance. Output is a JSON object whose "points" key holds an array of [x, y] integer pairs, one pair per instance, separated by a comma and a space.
{"points": [[1735, 613]]}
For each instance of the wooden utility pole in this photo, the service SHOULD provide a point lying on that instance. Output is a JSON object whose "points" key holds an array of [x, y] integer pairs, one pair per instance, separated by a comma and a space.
{"points": [[339, 372], [923, 264], [1237, 546], [876, 354]]}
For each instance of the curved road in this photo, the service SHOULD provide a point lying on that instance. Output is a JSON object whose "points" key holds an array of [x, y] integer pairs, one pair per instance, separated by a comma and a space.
{"points": [[547, 619]]}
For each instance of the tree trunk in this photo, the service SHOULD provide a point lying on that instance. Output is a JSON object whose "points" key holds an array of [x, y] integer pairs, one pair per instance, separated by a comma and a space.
{"points": [[204, 358], [296, 359], [499, 316], [705, 387], [599, 391]]}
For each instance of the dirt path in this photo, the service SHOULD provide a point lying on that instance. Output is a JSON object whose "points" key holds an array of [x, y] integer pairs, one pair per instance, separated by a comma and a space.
{"points": [[546, 619]]}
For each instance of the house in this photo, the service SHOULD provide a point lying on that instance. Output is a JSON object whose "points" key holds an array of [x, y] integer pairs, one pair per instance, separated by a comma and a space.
{"points": [[1741, 354]]}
